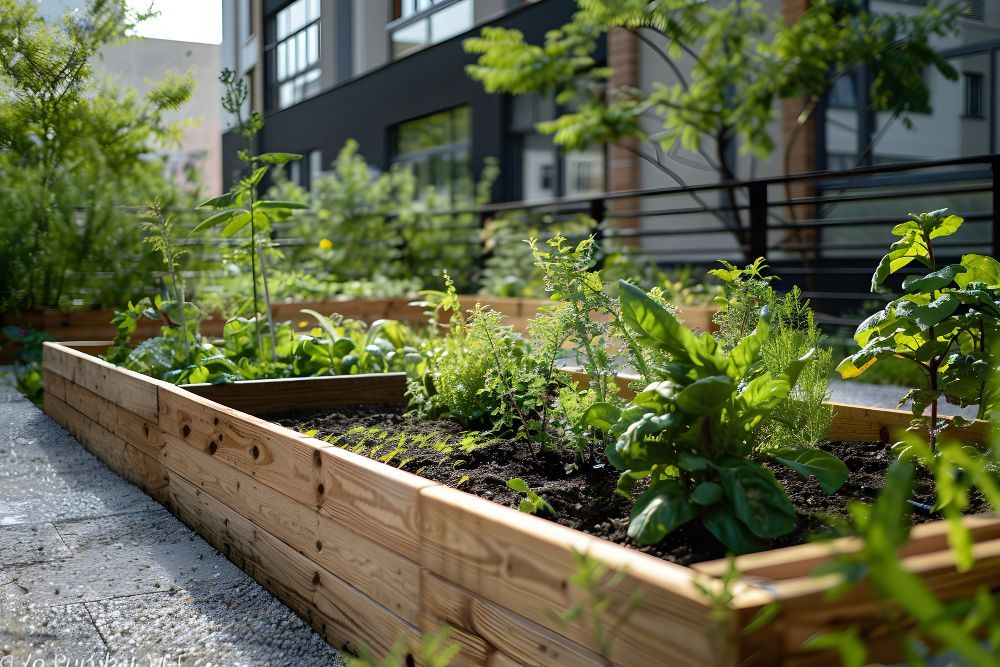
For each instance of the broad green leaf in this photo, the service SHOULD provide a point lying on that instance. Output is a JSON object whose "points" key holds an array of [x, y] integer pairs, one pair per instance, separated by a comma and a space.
{"points": [[933, 281], [653, 324], [601, 416], [758, 499], [324, 322], [517, 484], [728, 529], [218, 218], [236, 224], [910, 247], [267, 204], [278, 158], [829, 471], [254, 179], [662, 508], [222, 201], [742, 357], [704, 396], [936, 311], [706, 493], [980, 269], [946, 227], [762, 394]]}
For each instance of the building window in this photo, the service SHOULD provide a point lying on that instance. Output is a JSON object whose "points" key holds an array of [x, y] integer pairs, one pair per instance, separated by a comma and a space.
{"points": [[545, 170], [295, 52], [844, 91], [418, 23], [973, 107], [436, 147]]}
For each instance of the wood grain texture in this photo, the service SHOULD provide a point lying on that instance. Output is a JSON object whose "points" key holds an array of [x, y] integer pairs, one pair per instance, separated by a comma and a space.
{"points": [[136, 393], [500, 629], [375, 570], [800, 561], [523, 563], [99, 441], [147, 473], [344, 615], [858, 422], [260, 397]]}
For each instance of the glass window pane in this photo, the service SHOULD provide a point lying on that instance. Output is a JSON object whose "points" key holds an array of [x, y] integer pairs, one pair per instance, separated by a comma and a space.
{"points": [[297, 15], [280, 62], [462, 121], [450, 21], [300, 49], [313, 11], [285, 94], [282, 22], [313, 38], [408, 38]]}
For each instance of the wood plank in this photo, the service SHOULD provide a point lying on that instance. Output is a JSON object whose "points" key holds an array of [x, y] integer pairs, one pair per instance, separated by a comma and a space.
{"points": [[858, 422], [373, 499], [375, 570], [100, 442], [132, 391], [146, 473], [259, 397], [278, 457], [367, 496], [53, 384], [698, 318], [498, 628], [523, 564], [806, 609], [344, 615], [800, 561]]}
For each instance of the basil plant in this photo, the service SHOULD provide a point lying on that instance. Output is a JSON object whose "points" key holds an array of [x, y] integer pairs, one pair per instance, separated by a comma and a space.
{"points": [[692, 435]]}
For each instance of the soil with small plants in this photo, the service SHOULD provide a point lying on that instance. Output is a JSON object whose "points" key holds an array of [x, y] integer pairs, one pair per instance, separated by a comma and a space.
{"points": [[583, 496]]}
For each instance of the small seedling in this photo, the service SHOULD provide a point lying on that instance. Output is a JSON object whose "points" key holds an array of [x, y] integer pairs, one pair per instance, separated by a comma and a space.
{"points": [[532, 503]]}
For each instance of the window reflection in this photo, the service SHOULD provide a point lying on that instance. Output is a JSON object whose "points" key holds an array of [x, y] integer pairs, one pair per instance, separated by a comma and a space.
{"points": [[296, 54], [423, 22], [436, 147]]}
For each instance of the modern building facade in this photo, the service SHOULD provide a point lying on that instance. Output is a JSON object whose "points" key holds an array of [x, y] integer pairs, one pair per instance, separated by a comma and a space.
{"points": [[390, 74]]}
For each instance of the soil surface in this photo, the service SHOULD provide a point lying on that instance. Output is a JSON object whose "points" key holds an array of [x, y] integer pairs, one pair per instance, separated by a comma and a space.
{"points": [[584, 497]]}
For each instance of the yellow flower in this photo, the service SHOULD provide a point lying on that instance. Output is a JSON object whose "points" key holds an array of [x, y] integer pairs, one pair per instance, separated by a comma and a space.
{"points": [[325, 244], [303, 324]]}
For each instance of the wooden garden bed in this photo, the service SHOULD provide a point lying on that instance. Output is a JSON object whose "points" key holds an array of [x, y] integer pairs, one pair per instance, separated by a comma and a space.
{"points": [[369, 554], [88, 325]]}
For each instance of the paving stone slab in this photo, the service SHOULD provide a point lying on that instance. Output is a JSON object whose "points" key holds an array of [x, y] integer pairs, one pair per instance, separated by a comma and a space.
{"points": [[243, 625], [62, 635], [61, 496], [156, 527], [25, 544]]}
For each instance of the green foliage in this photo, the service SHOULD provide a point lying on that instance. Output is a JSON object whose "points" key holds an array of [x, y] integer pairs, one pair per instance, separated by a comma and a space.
{"points": [[531, 503], [970, 627], [944, 323], [29, 342], [433, 650], [804, 417], [694, 433], [241, 207], [75, 156], [28, 380], [744, 60]]}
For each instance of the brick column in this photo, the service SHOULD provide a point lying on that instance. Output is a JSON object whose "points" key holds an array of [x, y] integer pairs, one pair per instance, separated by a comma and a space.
{"points": [[623, 165]]}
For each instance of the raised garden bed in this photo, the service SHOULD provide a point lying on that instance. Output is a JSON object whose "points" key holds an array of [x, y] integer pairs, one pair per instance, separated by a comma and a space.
{"points": [[368, 553], [95, 325]]}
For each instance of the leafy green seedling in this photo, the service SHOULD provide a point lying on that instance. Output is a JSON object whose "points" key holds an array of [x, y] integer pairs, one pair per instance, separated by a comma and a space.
{"points": [[532, 503]]}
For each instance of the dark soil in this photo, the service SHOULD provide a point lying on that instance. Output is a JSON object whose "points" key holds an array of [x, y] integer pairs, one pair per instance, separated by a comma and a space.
{"points": [[584, 497]]}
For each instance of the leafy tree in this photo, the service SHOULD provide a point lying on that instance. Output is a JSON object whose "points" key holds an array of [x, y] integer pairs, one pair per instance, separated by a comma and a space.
{"points": [[731, 63], [75, 154]]}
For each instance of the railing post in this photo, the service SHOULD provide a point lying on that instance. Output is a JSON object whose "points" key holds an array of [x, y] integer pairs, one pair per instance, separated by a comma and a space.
{"points": [[757, 243], [995, 222], [597, 212]]}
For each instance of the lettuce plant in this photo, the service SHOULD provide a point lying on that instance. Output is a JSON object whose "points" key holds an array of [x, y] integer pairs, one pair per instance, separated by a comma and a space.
{"points": [[944, 323], [692, 435]]}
